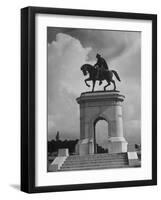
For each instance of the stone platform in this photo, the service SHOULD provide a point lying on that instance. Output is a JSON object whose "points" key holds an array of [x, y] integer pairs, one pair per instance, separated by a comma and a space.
{"points": [[101, 105], [95, 161]]}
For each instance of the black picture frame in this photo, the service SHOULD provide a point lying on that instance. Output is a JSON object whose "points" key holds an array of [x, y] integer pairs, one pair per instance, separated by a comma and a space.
{"points": [[28, 91]]}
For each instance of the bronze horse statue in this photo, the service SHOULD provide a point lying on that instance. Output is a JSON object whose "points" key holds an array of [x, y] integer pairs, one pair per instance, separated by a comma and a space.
{"points": [[106, 75]]}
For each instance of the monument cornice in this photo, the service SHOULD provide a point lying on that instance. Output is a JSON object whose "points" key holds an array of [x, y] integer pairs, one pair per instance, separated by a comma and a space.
{"points": [[102, 96]]}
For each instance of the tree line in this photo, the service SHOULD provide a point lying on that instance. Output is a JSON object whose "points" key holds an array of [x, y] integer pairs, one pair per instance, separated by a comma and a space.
{"points": [[54, 145]]}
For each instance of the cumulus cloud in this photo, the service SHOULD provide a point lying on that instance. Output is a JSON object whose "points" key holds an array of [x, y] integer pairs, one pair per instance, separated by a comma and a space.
{"points": [[104, 41], [68, 49], [65, 57]]}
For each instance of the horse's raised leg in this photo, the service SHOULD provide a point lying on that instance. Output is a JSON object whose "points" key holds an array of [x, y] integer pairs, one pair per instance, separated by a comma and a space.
{"points": [[93, 85], [106, 86], [86, 82], [114, 84]]}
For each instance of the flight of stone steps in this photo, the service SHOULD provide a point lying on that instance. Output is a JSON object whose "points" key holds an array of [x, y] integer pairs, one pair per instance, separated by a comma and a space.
{"points": [[95, 161]]}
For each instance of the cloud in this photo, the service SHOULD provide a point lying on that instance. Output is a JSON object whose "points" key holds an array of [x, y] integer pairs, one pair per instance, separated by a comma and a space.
{"points": [[65, 57], [68, 49], [108, 42]]}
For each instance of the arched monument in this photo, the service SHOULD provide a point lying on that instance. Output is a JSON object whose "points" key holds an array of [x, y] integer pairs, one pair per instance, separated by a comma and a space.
{"points": [[95, 106], [99, 105]]}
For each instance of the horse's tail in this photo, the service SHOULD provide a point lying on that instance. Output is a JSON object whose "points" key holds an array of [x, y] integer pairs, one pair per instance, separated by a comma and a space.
{"points": [[116, 74]]}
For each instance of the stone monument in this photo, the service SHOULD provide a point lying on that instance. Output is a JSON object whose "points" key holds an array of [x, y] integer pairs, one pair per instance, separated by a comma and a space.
{"points": [[101, 105], [95, 106]]}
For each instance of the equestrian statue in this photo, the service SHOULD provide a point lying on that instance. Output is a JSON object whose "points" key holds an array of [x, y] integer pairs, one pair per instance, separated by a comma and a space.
{"points": [[99, 72]]}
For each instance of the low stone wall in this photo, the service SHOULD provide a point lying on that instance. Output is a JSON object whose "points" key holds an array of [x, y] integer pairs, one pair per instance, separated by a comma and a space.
{"points": [[133, 159], [59, 160]]}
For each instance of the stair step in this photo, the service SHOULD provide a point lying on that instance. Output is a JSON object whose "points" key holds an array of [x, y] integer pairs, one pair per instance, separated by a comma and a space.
{"points": [[103, 158], [91, 157], [89, 165], [93, 167], [95, 157], [104, 154], [94, 161]]}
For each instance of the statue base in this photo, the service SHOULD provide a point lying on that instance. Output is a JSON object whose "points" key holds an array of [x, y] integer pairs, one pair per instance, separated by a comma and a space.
{"points": [[101, 105], [85, 147], [117, 145]]}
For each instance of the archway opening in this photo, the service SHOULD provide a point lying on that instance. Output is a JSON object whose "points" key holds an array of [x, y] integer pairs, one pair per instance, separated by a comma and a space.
{"points": [[100, 135]]}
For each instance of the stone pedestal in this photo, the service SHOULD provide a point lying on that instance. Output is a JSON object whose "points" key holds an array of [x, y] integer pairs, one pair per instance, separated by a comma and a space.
{"points": [[117, 145], [63, 152], [95, 106], [85, 146]]}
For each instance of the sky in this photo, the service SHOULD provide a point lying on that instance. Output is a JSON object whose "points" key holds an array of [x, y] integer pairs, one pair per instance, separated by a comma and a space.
{"points": [[68, 49]]}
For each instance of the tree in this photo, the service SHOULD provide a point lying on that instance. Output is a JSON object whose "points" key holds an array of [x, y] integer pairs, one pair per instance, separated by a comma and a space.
{"points": [[57, 136]]}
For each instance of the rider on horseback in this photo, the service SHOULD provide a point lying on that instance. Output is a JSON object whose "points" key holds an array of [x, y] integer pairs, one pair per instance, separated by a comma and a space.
{"points": [[101, 65]]}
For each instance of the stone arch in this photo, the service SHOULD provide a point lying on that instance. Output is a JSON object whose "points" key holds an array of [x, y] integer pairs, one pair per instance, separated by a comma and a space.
{"points": [[97, 119], [101, 105], [100, 116], [93, 120]]}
